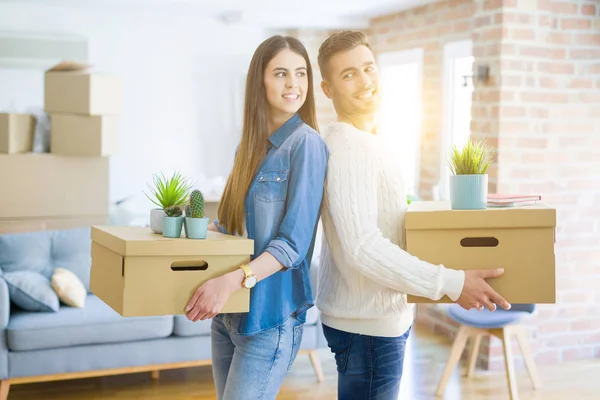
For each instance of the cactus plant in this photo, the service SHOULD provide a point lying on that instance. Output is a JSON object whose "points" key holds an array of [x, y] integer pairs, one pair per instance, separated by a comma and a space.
{"points": [[174, 211], [196, 224], [196, 204]]}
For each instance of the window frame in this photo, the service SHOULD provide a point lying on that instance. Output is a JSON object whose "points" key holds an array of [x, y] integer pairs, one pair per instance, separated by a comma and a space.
{"points": [[452, 51]]}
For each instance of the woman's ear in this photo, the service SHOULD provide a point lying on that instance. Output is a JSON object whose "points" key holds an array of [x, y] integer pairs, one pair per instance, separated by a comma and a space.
{"points": [[326, 89]]}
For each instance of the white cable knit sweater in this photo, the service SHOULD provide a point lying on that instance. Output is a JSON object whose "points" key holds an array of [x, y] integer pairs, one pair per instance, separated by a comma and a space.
{"points": [[365, 274]]}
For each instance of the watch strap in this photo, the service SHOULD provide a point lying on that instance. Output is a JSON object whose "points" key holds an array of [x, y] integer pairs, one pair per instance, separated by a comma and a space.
{"points": [[246, 269]]}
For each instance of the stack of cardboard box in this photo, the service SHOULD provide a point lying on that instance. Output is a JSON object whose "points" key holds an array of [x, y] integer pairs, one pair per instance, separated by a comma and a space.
{"points": [[67, 187], [83, 107], [16, 133]]}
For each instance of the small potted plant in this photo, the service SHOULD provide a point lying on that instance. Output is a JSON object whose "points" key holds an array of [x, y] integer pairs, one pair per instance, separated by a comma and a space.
{"points": [[173, 222], [196, 224], [167, 194], [469, 179]]}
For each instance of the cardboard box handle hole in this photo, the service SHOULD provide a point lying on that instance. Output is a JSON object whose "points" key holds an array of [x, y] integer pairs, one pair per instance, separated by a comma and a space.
{"points": [[189, 266], [479, 242]]}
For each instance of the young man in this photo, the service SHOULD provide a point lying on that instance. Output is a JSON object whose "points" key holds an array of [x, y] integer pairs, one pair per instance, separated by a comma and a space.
{"points": [[365, 272]]}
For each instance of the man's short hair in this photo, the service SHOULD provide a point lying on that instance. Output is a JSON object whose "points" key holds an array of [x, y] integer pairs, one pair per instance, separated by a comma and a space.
{"points": [[340, 41]]}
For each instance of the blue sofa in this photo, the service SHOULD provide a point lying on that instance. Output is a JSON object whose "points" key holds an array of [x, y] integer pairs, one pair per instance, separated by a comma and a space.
{"points": [[43, 341]]}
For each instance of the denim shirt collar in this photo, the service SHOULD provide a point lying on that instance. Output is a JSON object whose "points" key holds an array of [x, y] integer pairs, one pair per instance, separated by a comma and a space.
{"points": [[281, 134]]}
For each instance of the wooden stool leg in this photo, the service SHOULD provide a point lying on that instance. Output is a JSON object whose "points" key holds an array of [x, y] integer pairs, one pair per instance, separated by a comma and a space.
{"points": [[474, 354], [457, 349], [316, 364], [509, 363], [523, 340], [4, 388], [155, 375]]}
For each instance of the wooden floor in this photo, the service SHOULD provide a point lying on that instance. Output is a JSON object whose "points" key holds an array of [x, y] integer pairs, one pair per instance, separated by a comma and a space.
{"points": [[425, 360]]}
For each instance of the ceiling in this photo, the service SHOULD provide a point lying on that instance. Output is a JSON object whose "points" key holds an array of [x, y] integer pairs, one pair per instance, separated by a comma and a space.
{"points": [[327, 14], [312, 13]]}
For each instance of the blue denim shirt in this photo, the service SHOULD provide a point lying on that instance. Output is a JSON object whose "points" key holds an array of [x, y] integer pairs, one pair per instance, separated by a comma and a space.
{"points": [[283, 206]]}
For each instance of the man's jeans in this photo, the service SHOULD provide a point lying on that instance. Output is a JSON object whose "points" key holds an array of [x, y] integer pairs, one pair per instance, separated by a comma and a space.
{"points": [[369, 367], [252, 367]]}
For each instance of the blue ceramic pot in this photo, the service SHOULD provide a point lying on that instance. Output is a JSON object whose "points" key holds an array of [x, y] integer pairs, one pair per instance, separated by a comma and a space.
{"points": [[172, 226], [196, 228], [468, 192]]}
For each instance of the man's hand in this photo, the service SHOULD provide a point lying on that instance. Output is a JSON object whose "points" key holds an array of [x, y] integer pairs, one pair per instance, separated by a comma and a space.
{"points": [[210, 298], [477, 293]]}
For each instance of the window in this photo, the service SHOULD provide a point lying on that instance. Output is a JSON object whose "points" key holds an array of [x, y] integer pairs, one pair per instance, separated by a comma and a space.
{"points": [[400, 117], [456, 129]]}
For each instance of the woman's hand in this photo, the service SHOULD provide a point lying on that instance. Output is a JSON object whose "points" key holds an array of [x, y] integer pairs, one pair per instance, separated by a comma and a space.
{"points": [[210, 298]]}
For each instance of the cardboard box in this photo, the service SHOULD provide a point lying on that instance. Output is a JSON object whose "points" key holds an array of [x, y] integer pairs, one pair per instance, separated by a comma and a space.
{"points": [[82, 135], [72, 88], [211, 207], [49, 186], [16, 133], [50, 224], [139, 273], [520, 240]]}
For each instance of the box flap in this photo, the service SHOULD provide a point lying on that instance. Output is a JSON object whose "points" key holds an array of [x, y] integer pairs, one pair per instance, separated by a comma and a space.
{"points": [[439, 215], [140, 241], [70, 66]]}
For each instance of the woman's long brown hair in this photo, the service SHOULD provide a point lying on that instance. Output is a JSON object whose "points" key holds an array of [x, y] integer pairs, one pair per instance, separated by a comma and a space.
{"points": [[253, 146]]}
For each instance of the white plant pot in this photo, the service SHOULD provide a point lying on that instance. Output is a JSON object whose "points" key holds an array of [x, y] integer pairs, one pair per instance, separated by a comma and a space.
{"points": [[156, 220]]}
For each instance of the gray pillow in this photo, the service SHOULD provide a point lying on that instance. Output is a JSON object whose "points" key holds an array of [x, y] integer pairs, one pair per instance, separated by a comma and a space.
{"points": [[31, 291]]}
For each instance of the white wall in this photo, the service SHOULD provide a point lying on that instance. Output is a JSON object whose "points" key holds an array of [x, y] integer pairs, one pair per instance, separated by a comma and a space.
{"points": [[180, 73]]}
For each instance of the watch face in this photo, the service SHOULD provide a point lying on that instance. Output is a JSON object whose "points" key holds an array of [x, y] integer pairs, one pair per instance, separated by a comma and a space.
{"points": [[250, 282]]}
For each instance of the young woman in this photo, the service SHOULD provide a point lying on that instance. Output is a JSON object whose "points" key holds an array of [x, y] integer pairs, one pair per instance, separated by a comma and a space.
{"points": [[272, 196]]}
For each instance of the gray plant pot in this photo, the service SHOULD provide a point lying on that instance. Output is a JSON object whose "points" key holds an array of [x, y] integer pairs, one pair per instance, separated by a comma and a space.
{"points": [[156, 220]]}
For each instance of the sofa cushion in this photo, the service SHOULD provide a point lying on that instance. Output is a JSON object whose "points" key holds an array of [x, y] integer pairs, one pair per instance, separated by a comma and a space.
{"points": [[184, 327], [31, 291], [43, 251], [69, 288], [27, 251], [312, 315], [72, 249], [94, 324]]}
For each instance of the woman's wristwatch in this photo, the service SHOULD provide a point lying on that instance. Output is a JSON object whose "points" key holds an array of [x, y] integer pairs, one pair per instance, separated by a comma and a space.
{"points": [[250, 279]]}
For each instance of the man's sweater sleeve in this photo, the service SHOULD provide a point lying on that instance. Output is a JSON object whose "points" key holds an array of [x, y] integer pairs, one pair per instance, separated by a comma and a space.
{"points": [[352, 186]]}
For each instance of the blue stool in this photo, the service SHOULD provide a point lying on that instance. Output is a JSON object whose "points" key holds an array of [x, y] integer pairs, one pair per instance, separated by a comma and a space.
{"points": [[501, 323]]}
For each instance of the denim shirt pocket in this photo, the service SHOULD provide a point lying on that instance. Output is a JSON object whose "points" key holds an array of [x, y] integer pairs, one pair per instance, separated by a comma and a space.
{"points": [[272, 186]]}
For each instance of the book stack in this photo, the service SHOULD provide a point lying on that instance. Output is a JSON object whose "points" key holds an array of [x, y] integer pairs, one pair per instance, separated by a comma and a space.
{"points": [[512, 200]]}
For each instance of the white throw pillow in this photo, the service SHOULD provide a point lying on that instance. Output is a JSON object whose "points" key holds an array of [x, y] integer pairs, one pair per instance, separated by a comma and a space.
{"points": [[69, 288]]}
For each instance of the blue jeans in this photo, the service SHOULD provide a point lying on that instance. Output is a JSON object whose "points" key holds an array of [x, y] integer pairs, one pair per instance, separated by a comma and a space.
{"points": [[369, 367], [252, 367]]}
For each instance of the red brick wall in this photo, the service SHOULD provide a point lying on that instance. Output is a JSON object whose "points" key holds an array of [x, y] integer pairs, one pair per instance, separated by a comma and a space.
{"points": [[541, 110], [548, 137]]}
